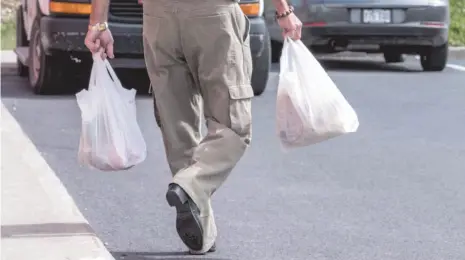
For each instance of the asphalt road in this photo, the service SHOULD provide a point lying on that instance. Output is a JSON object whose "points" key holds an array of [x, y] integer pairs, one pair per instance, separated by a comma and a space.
{"points": [[393, 190]]}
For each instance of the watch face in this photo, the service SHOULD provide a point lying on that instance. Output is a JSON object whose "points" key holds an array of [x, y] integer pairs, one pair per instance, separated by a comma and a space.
{"points": [[102, 26]]}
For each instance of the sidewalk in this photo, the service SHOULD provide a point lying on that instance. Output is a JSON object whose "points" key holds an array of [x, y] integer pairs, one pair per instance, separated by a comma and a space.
{"points": [[39, 220]]}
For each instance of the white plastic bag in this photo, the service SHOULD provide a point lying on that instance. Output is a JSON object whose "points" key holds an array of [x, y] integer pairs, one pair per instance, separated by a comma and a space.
{"points": [[310, 108], [111, 139]]}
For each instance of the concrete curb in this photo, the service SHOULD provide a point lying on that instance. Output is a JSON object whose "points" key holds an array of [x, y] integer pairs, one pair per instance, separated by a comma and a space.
{"points": [[457, 52], [8, 59], [39, 218]]}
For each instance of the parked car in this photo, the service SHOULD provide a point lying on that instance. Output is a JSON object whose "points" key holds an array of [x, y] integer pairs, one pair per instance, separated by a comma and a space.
{"points": [[51, 51], [391, 27]]}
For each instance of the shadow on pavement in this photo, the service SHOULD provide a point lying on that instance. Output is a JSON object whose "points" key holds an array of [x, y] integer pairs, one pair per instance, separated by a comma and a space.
{"points": [[160, 255], [13, 86], [364, 66], [358, 65]]}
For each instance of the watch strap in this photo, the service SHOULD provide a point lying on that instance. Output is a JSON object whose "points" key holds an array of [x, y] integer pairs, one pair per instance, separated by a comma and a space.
{"points": [[98, 27]]}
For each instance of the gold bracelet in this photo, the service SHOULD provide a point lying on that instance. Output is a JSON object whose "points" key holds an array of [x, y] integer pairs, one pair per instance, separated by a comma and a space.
{"points": [[98, 27]]}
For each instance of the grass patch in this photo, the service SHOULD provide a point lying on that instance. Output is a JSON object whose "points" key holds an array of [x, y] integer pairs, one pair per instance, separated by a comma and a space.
{"points": [[8, 32], [457, 26]]}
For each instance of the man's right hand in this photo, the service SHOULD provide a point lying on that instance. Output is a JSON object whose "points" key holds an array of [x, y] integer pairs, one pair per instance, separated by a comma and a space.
{"points": [[291, 25], [97, 40]]}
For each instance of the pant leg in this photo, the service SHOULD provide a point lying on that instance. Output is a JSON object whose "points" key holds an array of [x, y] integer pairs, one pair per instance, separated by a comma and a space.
{"points": [[176, 97], [215, 40], [177, 101], [219, 62], [215, 37]]}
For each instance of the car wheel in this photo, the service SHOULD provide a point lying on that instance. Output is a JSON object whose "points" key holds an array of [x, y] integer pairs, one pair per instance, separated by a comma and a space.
{"points": [[261, 69], [276, 49], [393, 57], [21, 41], [45, 71], [435, 58]]}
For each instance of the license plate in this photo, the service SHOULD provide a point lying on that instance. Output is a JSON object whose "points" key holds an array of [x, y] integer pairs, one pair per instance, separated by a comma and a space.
{"points": [[376, 16]]}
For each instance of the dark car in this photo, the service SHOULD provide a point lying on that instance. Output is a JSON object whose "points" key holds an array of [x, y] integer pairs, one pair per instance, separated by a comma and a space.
{"points": [[391, 27]]}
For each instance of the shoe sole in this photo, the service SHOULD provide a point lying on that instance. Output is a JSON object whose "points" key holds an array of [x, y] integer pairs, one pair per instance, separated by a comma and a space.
{"points": [[187, 224], [212, 250]]}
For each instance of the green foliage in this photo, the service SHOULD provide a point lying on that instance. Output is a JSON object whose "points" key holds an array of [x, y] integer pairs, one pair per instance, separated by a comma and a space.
{"points": [[8, 34], [457, 26]]}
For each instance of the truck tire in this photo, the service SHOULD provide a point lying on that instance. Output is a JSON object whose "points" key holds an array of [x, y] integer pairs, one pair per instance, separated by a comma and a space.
{"points": [[435, 58], [21, 41], [276, 49], [261, 69], [45, 71]]}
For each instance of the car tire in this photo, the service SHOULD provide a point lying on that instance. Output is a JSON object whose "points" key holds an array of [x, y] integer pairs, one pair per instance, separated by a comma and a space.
{"points": [[276, 50], [393, 57], [21, 41], [45, 71], [261, 68], [435, 58]]}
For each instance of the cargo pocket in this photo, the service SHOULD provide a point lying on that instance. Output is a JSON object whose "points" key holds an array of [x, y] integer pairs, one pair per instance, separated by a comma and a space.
{"points": [[240, 111]]}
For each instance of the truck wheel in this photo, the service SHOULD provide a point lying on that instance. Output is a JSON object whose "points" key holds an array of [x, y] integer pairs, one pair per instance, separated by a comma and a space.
{"points": [[435, 58], [276, 49], [393, 57], [21, 41], [45, 71], [261, 69]]}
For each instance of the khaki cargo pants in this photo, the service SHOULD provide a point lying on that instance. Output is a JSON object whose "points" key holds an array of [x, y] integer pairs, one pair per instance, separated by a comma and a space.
{"points": [[198, 58]]}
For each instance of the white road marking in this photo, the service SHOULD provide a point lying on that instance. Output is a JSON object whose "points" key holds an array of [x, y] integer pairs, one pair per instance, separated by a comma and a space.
{"points": [[456, 67]]}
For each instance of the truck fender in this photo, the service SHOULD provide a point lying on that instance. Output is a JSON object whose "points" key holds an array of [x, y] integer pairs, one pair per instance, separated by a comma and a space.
{"points": [[44, 7], [32, 9]]}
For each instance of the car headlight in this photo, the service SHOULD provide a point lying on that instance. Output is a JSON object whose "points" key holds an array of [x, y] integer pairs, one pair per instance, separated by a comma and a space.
{"points": [[254, 8], [70, 8]]}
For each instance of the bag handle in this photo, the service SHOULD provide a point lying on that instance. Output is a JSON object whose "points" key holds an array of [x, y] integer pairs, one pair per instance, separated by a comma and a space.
{"points": [[93, 77], [286, 56], [112, 73], [106, 64]]}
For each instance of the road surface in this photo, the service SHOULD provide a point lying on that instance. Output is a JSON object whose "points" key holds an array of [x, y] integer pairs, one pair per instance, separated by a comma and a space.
{"points": [[392, 191]]}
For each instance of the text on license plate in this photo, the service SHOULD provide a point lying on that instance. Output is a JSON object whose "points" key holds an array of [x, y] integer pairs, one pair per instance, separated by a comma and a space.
{"points": [[376, 16]]}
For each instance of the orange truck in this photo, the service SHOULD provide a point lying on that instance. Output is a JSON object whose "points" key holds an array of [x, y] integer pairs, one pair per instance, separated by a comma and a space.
{"points": [[51, 51]]}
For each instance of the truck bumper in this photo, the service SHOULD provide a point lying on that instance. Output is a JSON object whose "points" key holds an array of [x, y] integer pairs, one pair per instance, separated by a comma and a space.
{"points": [[60, 34]]}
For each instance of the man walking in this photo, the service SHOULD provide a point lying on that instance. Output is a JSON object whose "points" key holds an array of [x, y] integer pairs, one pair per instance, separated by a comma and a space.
{"points": [[198, 58]]}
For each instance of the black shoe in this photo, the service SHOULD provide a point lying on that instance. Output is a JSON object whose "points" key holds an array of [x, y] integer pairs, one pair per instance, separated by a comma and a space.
{"points": [[211, 250], [188, 217]]}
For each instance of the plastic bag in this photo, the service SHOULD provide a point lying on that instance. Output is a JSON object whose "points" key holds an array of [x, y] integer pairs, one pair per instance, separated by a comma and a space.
{"points": [[310, 108], [111, 139]]}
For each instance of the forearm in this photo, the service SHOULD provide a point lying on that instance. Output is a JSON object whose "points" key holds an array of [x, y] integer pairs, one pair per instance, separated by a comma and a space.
{"points": [[280, 5], [99, 11]]}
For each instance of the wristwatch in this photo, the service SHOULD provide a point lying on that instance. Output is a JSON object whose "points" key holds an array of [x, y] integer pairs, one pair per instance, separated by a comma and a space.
{"points": [[98, 27]]}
